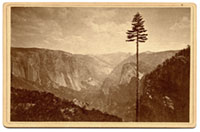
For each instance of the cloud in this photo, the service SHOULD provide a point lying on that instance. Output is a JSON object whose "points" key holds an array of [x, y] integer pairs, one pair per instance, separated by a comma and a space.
{"points": [[110, 36], [93, 30], [183, 23]]}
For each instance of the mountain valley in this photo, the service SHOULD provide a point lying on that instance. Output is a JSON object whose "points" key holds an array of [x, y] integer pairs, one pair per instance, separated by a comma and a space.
{"points": [[103, 82]]}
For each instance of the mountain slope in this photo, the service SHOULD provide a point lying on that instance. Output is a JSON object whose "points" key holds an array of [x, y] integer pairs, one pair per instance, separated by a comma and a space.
{"points": [[120, 86], [42, 106], [166, 90]]}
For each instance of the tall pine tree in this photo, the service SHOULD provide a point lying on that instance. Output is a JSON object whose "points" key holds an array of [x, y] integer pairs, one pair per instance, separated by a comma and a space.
{"points": [[137, 33]]}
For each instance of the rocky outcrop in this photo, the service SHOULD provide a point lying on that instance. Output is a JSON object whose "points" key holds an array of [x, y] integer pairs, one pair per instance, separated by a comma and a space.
{"points": [[128, 72]]}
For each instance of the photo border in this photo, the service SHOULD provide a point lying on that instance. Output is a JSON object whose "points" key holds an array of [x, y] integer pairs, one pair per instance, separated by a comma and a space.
{"points": [[7, 69]]}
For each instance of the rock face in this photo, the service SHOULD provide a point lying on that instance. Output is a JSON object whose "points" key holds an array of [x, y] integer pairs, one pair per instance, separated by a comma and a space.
{"points": [[57, 68], [128, 71], [166, 90]]}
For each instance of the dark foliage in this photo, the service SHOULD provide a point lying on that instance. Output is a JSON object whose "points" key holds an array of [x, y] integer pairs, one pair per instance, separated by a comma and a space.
{"points": [[166, 90], [137, 33], [42, 106]]}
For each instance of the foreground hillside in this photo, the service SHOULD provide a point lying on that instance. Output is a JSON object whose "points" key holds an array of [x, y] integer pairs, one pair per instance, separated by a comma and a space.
{"points": [[166, 90], [42, 106]]}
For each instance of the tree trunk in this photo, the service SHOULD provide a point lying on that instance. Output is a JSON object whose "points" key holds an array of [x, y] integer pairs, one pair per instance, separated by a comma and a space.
{"points": [[137, 83]]}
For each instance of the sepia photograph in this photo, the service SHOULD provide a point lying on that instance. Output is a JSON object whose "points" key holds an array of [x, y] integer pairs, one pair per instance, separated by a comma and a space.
{"points": [[99, 65]]}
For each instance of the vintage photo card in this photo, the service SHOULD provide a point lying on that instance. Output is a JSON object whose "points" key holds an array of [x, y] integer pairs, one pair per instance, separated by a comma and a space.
{"points": [[99, 65]]}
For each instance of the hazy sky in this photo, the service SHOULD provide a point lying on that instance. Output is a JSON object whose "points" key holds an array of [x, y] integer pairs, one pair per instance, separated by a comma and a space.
{"points": [[98, 30]]}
